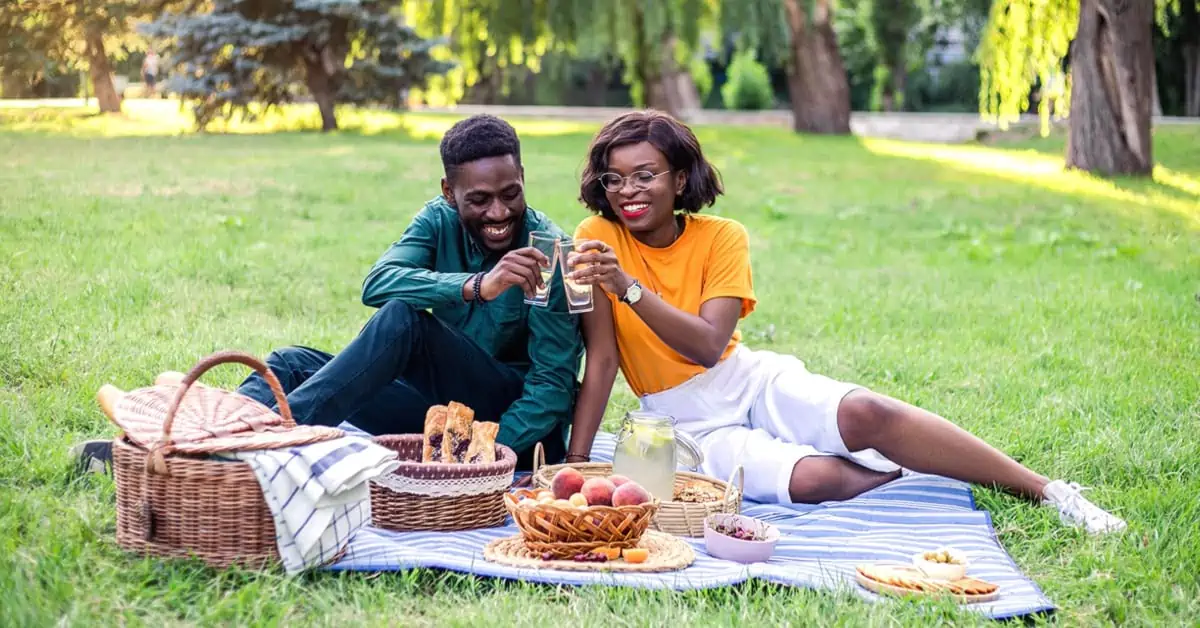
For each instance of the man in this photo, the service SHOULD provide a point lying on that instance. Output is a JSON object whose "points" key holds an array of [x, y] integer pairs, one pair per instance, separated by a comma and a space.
{"points": [[462, 258], [150, 71]]}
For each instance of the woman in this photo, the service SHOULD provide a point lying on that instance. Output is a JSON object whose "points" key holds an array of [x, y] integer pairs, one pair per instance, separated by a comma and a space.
{"points": [[676, 285]]}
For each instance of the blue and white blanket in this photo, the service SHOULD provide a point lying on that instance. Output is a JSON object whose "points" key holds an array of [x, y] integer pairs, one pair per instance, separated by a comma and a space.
{"points": [[819, 548]]}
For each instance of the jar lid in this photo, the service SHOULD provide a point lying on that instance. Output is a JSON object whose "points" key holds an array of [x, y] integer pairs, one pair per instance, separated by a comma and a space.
{"points": [[687, 450]]}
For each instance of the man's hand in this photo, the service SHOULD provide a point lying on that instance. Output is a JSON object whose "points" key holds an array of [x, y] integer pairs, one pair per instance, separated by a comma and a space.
{"points": [[521, 268]]}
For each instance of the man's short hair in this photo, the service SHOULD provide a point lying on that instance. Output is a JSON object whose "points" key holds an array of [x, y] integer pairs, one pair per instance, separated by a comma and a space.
{"points": [[478, 137]]}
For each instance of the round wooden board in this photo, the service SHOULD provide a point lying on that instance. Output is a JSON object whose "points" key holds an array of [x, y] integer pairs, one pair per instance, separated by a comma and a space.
{"points": [[667, 553], [879, 587]]}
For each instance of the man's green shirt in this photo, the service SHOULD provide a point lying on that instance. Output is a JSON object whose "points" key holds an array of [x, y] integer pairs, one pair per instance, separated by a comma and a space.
{"points": [[427, 268]]}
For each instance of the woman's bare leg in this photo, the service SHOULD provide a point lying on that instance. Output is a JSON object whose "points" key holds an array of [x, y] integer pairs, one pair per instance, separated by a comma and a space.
{"points": [[922, 441], [817, 479]]}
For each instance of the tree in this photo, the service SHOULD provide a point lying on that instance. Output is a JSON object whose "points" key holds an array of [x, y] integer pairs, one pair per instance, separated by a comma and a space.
{"points": [[1108, 91], [70, 34], [241, 52], [891, 24], [1179, 55], [800, 34], [652, 41]]}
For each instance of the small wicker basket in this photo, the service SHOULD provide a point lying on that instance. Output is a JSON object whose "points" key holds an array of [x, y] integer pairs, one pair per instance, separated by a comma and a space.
{"points": [[564, 531], [673, 517], [176, 505], [435, 496]]}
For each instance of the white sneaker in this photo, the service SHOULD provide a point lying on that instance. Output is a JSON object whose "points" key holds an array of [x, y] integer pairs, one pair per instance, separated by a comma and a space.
{"points": [[1075, 509]]}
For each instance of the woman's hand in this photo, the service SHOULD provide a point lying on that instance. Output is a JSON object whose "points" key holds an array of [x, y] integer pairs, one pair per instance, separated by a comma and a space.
{"points": [[595, 263]]}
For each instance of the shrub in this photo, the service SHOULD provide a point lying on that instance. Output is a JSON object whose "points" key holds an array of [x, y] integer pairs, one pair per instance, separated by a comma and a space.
{"points": [[749, 85]]}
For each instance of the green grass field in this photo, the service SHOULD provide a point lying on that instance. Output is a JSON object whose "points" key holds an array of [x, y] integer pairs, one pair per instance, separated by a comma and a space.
{"points": [[1054, 314]]}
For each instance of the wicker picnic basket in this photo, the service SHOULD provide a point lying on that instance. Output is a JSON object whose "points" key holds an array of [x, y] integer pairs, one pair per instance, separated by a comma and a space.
{"points": [[181, 504], [564, 531], [436, 496], [673, 517]]}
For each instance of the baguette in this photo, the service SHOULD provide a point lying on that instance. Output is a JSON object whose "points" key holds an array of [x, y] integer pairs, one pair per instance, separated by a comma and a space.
{"points": [[435, 432], [458, 432], [483, 442]]}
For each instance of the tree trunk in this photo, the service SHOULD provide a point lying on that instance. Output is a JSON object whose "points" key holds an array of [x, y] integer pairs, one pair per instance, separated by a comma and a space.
{"points": [[899, 84], [320, 85], [678, 88], [1112, 64], [817, 82], [1190, 29], [101, 72]]}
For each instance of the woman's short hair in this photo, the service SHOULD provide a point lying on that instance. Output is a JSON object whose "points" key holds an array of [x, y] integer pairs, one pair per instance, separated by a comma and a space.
{"points": [[672, 138]]}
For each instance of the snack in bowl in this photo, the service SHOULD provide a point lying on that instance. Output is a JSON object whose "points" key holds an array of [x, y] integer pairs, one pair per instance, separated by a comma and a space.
{"points": [[739, 538], [942, 564], [698, 493]]}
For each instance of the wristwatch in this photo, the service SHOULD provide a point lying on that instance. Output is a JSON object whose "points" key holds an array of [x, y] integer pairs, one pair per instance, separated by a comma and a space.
{"points": [[633, 293]]}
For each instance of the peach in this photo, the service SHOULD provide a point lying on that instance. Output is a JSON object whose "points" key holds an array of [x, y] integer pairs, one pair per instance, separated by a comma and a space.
{"points": [[579, 500], [630, 494], [598, 491], [566, 483], [618, 480]]}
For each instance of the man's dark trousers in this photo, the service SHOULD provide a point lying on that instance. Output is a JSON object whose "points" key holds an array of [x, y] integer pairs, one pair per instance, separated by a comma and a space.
{"points": [[402, 362]]}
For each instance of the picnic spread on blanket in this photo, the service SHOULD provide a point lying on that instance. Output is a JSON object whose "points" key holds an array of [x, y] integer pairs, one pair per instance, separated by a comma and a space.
{"points": [[207, 473]]}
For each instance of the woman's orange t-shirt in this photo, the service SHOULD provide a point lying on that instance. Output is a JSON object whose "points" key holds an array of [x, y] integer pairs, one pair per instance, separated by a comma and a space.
{"points": [[710, 259]]}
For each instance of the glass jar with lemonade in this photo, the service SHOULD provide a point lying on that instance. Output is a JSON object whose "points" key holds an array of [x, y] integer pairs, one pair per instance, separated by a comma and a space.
{"points": [[648, 452]]}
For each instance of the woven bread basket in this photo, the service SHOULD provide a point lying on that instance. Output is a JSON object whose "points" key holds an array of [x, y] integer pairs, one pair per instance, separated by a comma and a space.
{"points": [[185, 505], [564, 531], [673, 517], [436, 496]]}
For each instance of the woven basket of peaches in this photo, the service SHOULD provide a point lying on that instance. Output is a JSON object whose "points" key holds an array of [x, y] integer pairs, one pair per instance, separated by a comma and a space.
{"points": [[695, 495], [452, 477], [577, 515]]}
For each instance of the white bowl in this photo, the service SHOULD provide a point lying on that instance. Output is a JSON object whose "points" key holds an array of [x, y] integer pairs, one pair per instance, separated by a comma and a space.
{"points": [[739, 550], [942, 571]]}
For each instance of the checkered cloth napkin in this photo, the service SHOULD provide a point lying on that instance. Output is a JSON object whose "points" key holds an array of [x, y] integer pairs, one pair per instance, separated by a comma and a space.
{"points": [[318, 494]]}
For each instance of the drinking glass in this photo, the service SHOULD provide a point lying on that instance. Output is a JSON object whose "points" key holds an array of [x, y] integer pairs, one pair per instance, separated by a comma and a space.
{"points": [[548, 245], [579, 296]]}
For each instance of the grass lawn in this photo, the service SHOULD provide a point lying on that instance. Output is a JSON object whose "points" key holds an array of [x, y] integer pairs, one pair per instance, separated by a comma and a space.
{"points": [[1054, 314]]}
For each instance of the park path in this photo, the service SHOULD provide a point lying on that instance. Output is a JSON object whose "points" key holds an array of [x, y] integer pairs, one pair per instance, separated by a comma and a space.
{"points": [[924, 127]]}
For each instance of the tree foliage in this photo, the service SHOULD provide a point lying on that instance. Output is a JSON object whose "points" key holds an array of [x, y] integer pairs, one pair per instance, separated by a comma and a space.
{"points": [[647, 39], [41, 36], [238, 53], [1025, 45]]}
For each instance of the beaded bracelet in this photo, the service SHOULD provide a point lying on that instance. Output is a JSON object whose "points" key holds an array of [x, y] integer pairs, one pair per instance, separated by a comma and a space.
{"points": [[475, 288]]}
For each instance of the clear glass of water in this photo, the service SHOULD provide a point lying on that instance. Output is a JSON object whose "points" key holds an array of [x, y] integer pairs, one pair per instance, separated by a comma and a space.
{"points": [[548, 245], [579, 296]]}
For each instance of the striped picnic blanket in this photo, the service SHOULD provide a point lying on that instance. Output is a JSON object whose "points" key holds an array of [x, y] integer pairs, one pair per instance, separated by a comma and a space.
{"points": [[819, 548]]}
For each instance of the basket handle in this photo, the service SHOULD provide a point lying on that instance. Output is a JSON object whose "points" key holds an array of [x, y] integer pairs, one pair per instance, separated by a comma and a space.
{"points": [[155, 460], [740, 474], [539, 457]]}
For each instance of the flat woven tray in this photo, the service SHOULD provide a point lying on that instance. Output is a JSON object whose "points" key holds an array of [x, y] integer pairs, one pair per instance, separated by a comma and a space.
{"points": [[933, 588], [667, 553]]}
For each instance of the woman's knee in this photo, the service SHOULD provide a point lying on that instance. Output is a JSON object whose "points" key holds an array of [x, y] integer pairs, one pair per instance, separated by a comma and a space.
{"points": [[864, 417]]}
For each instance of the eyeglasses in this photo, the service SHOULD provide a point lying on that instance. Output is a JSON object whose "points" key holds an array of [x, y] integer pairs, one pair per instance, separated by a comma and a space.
{"points": [[640, 180]]}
